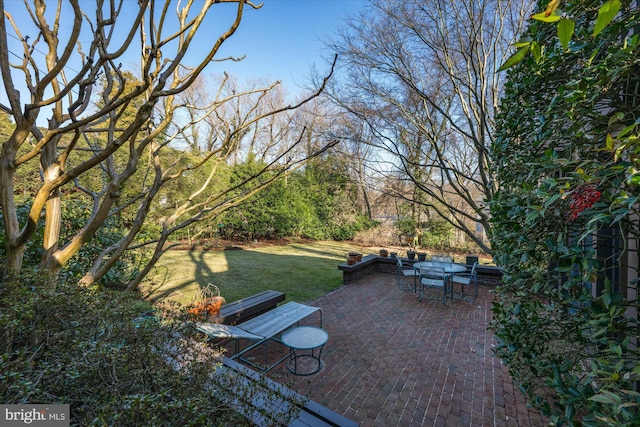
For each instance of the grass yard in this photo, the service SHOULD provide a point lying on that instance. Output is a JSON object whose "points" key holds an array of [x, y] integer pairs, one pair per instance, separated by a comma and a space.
{"points": [[304, 271]]}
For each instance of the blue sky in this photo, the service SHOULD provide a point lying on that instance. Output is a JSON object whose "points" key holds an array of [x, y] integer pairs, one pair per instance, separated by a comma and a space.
{"points": [[283, 39]]}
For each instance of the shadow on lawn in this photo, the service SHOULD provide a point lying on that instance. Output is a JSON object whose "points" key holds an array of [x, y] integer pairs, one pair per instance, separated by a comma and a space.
{"points": [[303, 277], [166, 287]]}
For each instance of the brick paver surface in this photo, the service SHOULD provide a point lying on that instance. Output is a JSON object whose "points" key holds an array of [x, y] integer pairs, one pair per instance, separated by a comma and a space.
{"points": [[392, 360]]}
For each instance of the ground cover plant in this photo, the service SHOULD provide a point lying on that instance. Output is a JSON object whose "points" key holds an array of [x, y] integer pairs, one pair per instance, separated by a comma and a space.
{"points": [[97, 351]]}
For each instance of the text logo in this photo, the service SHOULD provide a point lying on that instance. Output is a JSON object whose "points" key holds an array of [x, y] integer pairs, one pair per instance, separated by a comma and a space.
{"points": [[35, 415]]}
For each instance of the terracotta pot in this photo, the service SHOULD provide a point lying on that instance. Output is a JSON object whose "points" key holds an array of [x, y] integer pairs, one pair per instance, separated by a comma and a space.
{"points": [[208, 307], [384, 252]]}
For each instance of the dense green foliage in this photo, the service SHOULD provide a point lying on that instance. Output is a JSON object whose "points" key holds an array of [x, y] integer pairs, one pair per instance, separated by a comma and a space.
{"points": [[319, 202], [74, 215], [565, 220], [93, 350]]}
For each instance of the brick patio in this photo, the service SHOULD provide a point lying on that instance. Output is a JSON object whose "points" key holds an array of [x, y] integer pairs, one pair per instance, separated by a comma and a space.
{"points": [[392, 360]]}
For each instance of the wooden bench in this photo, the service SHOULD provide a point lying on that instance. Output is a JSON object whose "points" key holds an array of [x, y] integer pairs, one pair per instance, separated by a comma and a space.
{"points": [[247, 308], [268, 402]]}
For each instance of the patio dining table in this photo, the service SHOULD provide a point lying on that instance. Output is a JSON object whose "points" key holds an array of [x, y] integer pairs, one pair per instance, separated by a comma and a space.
{"points": [[450, 268]]}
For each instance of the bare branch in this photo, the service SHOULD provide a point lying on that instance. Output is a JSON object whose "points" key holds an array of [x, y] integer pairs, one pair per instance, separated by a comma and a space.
{"points": [[421, 76]]}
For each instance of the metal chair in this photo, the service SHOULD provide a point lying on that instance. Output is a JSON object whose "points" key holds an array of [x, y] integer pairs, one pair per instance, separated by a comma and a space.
{"points": [[405, 270], [467, 279], [433, 277]]}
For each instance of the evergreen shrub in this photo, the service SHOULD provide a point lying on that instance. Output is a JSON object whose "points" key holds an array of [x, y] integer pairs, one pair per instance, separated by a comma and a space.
{"points": [[108, 357], [565, 219]]}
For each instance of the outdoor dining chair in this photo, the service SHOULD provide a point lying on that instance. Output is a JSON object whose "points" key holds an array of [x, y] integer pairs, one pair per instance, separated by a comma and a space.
{"points": [[466, 280], [433, 277], [404, 270]]}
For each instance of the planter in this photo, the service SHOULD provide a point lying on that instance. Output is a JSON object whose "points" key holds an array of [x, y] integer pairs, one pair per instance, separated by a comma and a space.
{"points": [[384, 252], [356, 255], [411, 255], [206, 303], [422, 256], [351, 260]]}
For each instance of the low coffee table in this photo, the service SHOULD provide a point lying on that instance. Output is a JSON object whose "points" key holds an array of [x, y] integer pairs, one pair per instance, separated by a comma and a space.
{"points": [[305, 338]]}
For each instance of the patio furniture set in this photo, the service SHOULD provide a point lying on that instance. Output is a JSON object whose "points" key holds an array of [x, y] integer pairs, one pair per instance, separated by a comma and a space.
{"points": [[437, 278], [258, 321]]}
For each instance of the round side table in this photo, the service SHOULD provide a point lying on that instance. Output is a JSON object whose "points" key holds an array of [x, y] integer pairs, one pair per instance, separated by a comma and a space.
{"points": [[302, 342]]}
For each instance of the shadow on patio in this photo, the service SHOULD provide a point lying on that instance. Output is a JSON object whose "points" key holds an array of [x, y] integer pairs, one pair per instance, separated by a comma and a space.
{"points": [[393, 360]]}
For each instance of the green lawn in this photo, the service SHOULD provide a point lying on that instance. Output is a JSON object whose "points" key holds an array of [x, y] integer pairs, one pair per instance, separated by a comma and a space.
{"points": [[303, 271]]}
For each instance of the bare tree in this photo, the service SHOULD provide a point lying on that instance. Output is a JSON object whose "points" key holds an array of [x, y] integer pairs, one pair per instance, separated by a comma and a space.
{"points": [[421, 75], [359, 156], [127, 131]]}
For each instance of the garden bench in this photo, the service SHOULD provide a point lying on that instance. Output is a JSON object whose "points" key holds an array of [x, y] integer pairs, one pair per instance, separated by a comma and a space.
{"points": [[247, 308], [261, 329]]}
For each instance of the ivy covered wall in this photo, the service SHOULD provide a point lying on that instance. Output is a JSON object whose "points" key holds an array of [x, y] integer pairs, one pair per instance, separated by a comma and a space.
{"points": [[565, 219]]}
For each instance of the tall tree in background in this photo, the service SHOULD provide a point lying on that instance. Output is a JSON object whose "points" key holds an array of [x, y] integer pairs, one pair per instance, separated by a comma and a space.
{"points": [[421, 75], [125, 134]]}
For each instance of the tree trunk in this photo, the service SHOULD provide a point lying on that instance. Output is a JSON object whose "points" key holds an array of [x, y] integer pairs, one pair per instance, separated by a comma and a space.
{"points": [[157, 253], [53, 209], [14, 251]]}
